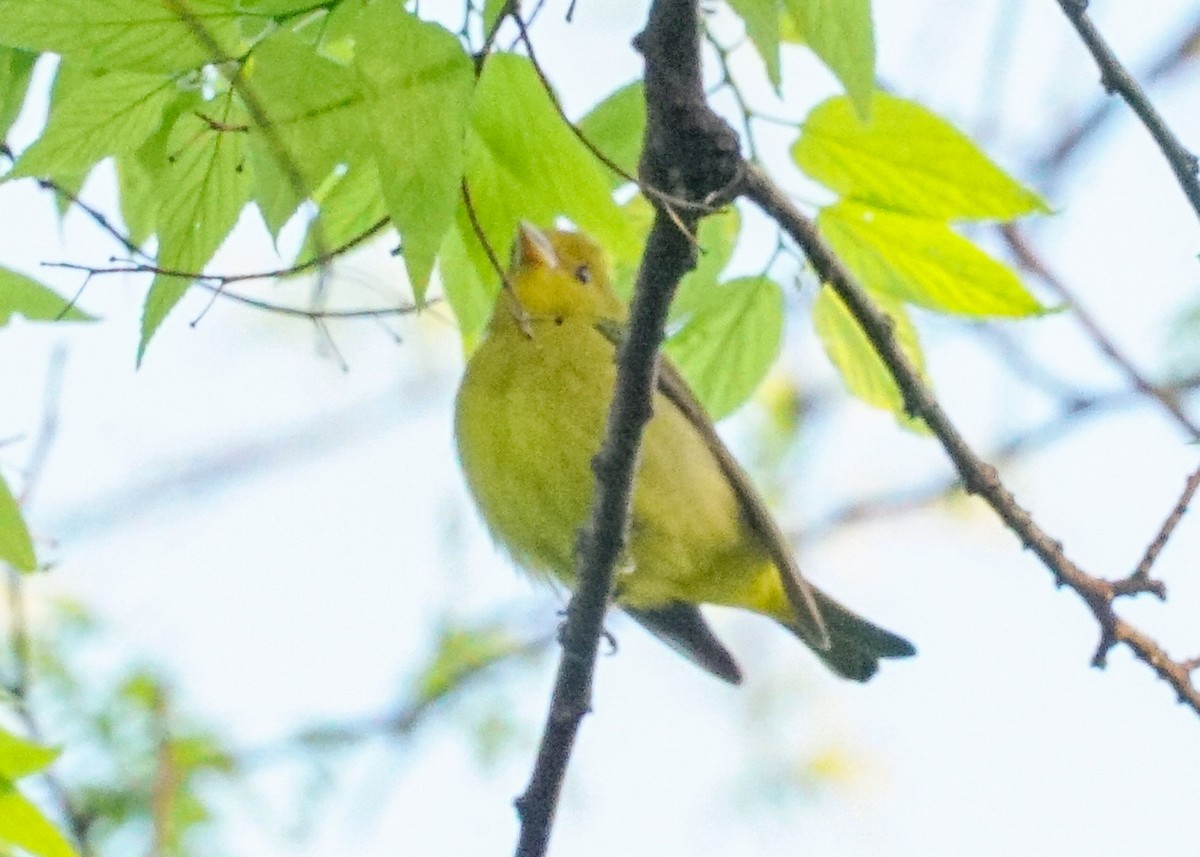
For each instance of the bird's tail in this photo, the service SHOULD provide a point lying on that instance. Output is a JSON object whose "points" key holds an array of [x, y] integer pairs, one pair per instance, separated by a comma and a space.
{"points": [[856, 644]]}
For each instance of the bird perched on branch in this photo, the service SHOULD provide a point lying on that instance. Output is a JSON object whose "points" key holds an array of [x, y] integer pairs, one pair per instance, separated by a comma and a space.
{"points": [[530, 415]]}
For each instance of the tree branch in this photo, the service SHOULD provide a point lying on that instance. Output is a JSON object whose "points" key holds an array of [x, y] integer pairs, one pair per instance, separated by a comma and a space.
{"points": [[692, 154], [1116, 79], [1182, 53], [978, 476]]}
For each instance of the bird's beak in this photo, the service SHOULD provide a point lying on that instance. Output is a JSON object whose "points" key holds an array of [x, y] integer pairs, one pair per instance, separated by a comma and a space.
{"points": [[533, 248]]}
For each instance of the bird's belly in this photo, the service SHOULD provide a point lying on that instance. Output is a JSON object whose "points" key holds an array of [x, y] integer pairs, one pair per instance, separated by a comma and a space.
{"points": [[527, 432]]}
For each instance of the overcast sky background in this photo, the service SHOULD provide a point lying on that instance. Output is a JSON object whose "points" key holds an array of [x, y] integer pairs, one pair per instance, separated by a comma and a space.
{"points": [[282, 535]]}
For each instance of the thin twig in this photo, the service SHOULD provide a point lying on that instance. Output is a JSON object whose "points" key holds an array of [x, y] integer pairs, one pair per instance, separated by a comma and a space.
{"points": [[1183, 52], [1116, 79], [1140, 580], [220, 281], [978, 476], [1032, 262], [1070, 417]]}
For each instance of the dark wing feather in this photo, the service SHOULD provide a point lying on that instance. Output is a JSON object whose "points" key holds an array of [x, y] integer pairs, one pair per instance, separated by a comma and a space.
{"points": [[682, 628], [810, 625]]}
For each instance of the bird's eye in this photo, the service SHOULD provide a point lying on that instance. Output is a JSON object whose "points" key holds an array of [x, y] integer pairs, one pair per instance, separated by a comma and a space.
{"points": [[584, 274]]}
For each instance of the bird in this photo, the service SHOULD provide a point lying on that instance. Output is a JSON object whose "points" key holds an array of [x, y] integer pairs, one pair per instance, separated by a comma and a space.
{"points": [[531, 413]]}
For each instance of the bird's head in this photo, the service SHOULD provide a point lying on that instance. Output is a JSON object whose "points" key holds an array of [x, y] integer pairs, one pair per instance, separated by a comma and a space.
{"points": [[560, 274]]}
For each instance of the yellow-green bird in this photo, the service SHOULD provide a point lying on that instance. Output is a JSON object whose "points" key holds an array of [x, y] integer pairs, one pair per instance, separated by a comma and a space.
{"points": [[531, 414]]}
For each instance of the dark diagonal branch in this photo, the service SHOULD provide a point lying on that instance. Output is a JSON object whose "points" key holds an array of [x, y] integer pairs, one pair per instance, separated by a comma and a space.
{"points": [[692, 154], [1182, 53], [978, 477], [1116, 79]]}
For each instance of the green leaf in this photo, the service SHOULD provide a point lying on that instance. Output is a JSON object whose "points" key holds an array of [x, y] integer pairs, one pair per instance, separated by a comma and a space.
{"points": [[316, 113], [470, 295], [205, 184], [16, 547], [863, 372], [923, 262], [21, 295], [616, 126], [275, 192], [142, 175], [20, 758], [275, 7], [138, 194], [491, 12], [164, 293], [419, 82], [716, 237], [906, 159], [347, 209], [338, 29], [840, 32], [524, 162], [108, 115], [16, 66], [726, 348], [22, 825], [145, 34], [627, 255], [761, 18]]}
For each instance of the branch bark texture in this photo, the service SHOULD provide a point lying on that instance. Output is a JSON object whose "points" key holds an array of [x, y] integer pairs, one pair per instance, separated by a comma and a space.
{"points": [[690, 153], [978, 476], [1116, 79]]}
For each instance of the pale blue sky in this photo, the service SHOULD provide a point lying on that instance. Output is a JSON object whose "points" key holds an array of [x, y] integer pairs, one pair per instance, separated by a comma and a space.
{"points": [[280, 534]]}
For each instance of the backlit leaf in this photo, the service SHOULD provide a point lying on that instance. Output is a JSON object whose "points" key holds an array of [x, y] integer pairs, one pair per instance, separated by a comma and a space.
{"points": [[418, 81], [909, 160], [863, 372], [16, 66], [112, 114], [840, 32], [523, 162], [16, 548], [205, 184], [727, 346], [24, 296], [20, 758], [156, 35], [22, 825], [923, 262], [616, 126], [761, 18]]}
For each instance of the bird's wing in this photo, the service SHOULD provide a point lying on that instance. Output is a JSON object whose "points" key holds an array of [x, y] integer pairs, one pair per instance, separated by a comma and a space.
{"points": [[810, 625], [682, 627]]}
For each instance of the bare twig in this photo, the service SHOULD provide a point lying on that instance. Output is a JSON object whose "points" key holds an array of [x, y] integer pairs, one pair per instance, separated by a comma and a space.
{"points": [[1140, 580], [1021, 443], [1116, 79], [216, 283], [978, 476], [1184, 51], [1032, 262]]}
